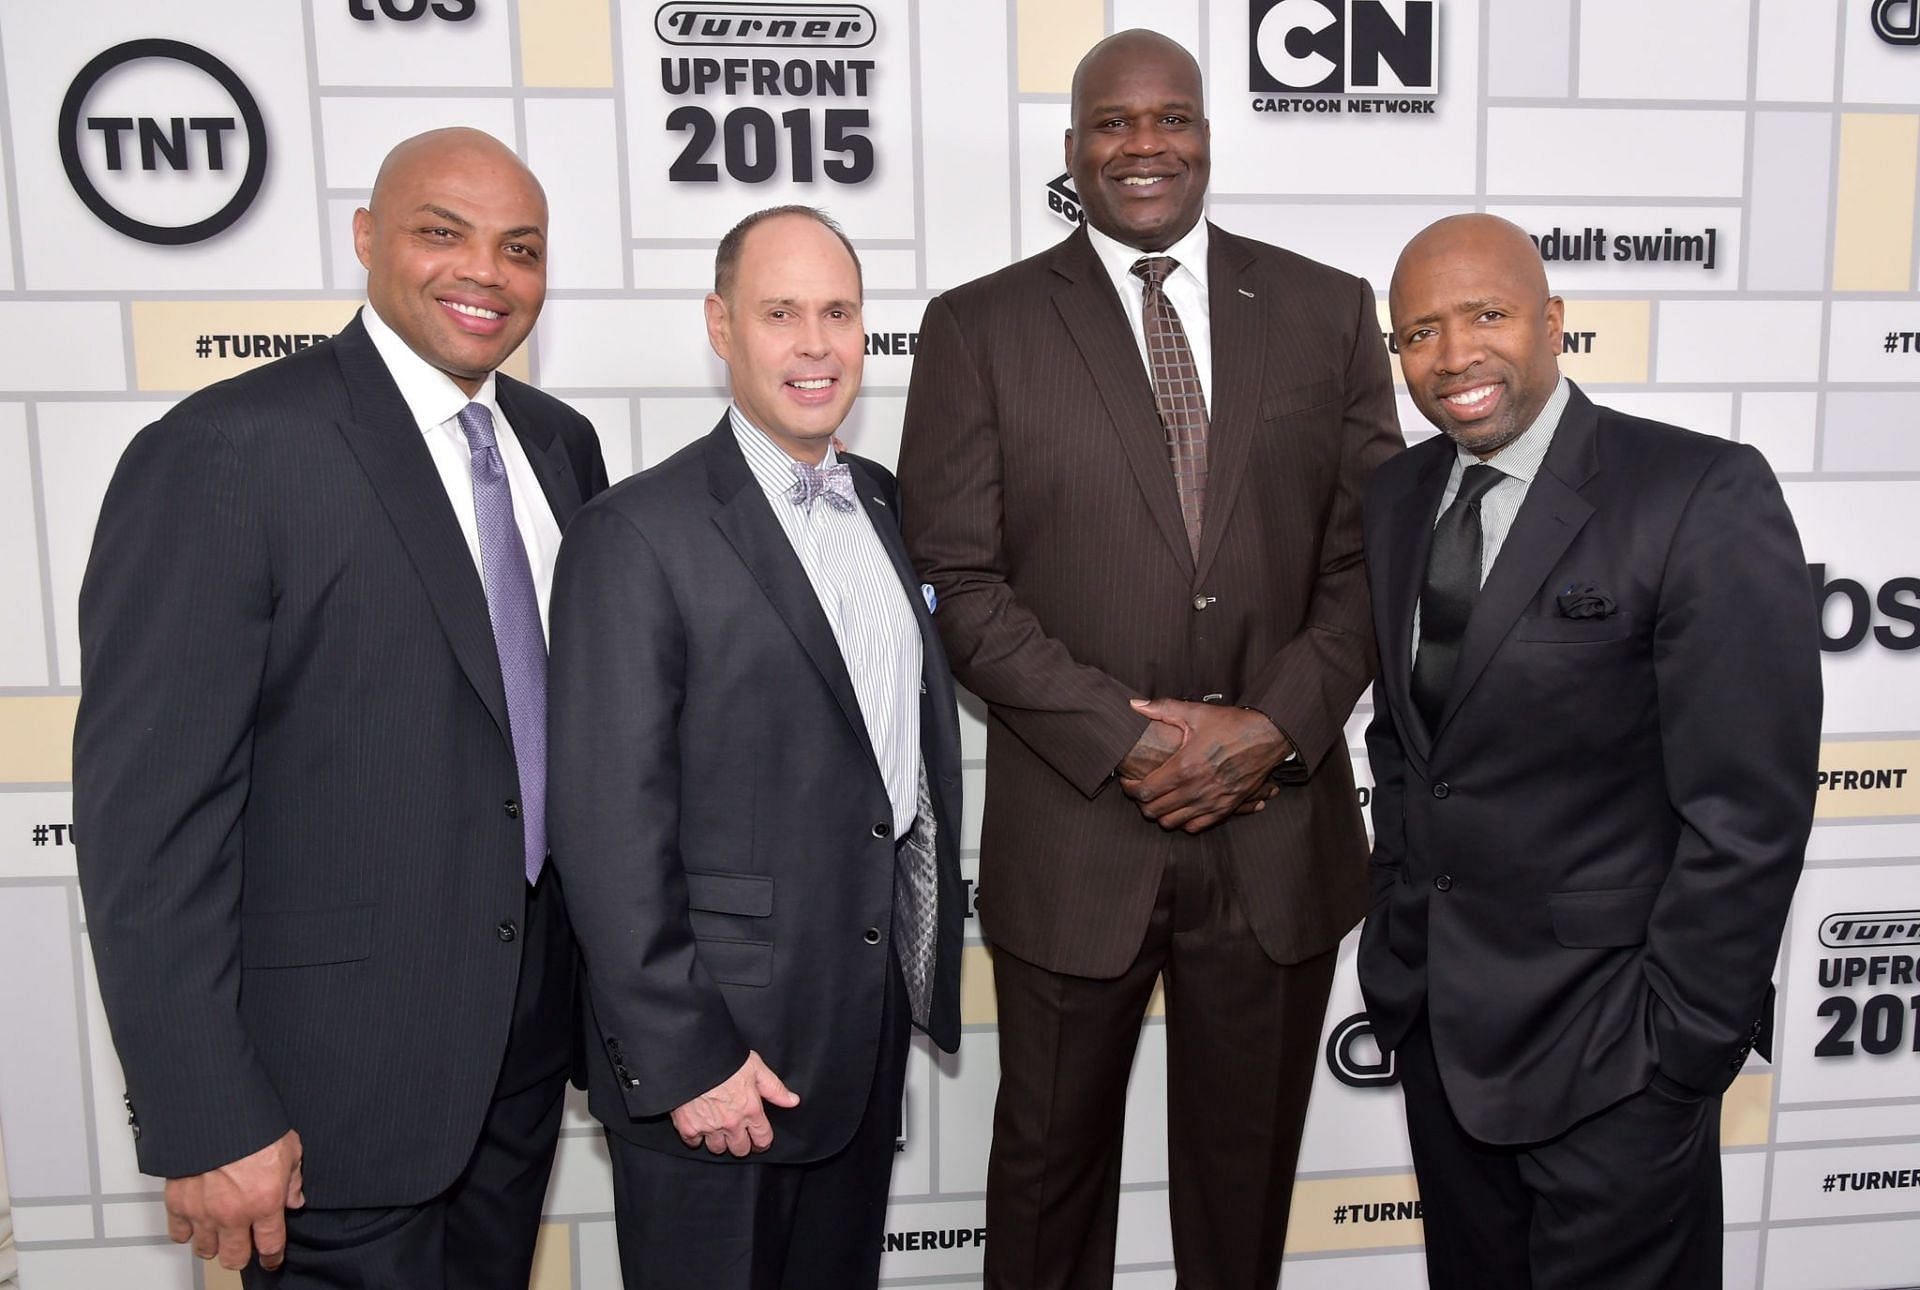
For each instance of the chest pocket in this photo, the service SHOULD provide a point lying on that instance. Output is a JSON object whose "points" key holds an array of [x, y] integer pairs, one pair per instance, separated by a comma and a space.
{"points": [[1574, 631]]}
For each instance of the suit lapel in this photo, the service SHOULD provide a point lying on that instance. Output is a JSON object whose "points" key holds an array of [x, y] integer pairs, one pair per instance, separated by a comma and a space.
{"points": [[1098, 325], [386, 440], [748, 523], [1238, 325], [545, 451], [1549, 520], [1409, 539]]}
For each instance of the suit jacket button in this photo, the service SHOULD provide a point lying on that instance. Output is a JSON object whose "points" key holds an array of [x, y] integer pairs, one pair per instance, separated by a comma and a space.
{"points": [[883, 830], [1201, 602], [1443, 883], [507, 931], [871, 936], [513, 809], [1441, 789]]}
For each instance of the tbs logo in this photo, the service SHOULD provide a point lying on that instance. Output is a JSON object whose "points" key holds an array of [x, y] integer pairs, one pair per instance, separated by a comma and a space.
{"points": [[1344, 47]]}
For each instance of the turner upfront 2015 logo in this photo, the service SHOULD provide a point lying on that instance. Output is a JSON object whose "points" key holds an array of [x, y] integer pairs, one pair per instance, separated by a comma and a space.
{"points": [[162, 141], [1319, 54]]}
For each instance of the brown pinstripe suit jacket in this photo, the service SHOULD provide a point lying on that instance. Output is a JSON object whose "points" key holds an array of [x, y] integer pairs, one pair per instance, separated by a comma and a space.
{"points": [[1039, 503]]}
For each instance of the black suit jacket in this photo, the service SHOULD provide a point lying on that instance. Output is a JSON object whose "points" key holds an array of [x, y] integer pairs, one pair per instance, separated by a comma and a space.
{"points": [[293, 771], [1583, 873], [717, 811], [1042, 508]]}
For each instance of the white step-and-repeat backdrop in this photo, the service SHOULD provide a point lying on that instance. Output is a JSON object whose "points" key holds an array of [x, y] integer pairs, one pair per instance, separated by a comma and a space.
{"points": [[1724, 190]]}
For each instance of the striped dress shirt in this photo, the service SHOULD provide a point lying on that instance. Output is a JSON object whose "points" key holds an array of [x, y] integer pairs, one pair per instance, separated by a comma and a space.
{"points": [[865, 605], [1517, 463]]}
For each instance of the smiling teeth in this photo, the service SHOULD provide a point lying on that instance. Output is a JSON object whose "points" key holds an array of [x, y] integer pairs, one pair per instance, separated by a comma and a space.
{"points": [[471, 311], [817, 383], [1141, 181], [1470, 398]]}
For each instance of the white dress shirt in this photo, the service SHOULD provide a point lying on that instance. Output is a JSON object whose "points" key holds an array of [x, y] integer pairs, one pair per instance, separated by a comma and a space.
{"points": [[866, 606], [436, 402], [1186, 287]]}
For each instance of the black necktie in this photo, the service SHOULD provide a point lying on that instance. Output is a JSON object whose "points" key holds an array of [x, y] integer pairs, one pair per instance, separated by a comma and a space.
{"points": [[1446, 601]]}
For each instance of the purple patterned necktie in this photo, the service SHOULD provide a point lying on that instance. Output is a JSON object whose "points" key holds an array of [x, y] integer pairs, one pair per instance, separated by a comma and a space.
{"points": [[515, 613], [833, 483], [1177, 395]]}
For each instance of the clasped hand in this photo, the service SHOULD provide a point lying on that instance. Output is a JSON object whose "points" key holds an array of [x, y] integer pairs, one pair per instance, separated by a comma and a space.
{"points": [[1198, 763]]}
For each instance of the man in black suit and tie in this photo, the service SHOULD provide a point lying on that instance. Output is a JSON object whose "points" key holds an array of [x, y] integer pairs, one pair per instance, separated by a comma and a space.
{"points": [[1594, 743], [756, 803], [311, 761]]}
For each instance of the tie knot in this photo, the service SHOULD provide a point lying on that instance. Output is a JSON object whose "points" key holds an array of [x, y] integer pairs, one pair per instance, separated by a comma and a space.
{"points": [[1154, 269], [834, 483], [1476, 480], [477, 423]]}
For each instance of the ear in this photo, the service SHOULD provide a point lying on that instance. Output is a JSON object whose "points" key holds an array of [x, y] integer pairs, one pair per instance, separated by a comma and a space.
{"points": [[1067, 151], [363, 236], [1556, 321], [719, 327]]}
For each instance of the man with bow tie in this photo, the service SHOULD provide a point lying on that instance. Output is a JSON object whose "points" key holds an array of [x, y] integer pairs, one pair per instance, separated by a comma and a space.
{"points": [[756, 803], [1594, 742]]}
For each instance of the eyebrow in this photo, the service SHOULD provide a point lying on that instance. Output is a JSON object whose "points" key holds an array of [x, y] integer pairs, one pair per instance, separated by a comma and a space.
{"points": [[790, 303], [1101, 111], [442, 213], [1464, 307]]}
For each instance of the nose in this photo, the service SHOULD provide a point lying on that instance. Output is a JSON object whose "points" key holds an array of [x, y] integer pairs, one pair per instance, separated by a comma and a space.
{"points": [[481, 264], [1460, 350], [1143, 140], [811, 338]]}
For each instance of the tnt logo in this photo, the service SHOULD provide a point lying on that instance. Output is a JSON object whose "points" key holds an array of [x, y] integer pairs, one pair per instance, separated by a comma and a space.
{"points": [[1344, 47], [162, 141]]}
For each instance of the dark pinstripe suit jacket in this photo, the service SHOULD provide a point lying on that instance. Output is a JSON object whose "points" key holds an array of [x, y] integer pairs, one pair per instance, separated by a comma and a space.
{"points": [[292, 768], [1040, 504]]}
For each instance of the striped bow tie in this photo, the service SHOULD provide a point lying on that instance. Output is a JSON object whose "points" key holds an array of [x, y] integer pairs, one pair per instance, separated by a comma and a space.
{"points": [[834, 483]]}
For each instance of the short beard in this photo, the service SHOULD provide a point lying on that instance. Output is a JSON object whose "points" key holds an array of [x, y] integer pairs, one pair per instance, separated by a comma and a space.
{"points": [[1491, 444]]}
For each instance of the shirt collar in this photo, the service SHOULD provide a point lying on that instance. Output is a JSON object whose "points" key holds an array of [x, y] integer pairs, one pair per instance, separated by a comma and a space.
{"points": [[1522, 458], [1118, 258], [769, 462], [430, 393]]}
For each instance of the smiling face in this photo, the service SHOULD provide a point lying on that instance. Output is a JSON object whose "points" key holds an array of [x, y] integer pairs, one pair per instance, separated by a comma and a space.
{"points": [[1138, 149], [455, 248], [1479, 336], [789, 329]]}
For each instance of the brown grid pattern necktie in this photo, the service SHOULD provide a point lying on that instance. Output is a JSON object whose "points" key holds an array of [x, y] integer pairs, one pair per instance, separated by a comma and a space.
{"points": [[1177, 395]]}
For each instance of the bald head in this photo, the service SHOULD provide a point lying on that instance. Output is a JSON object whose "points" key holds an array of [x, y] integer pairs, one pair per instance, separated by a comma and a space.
{"points": [[1129, 48], [1479, 334], [1486, 238], [436, 149], [454, 240]]}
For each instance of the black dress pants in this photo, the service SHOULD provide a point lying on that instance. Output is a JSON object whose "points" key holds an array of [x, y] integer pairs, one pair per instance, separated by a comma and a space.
{"points": [[694, 1221], [479, 1234], [1627, 1199]]}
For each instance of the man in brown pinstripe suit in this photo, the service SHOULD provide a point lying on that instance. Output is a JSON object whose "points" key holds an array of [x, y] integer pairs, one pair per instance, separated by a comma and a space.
{"points": [[1131, 472]]}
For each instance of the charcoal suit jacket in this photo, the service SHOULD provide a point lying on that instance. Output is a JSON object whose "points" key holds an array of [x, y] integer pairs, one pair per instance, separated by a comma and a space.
{"points": [[303, 856], [1582, 874]]}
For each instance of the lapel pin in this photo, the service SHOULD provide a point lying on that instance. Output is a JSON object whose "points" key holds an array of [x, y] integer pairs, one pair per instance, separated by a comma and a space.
{"points": [[926, 594], [1243, 291]]}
